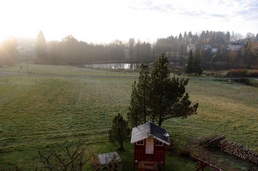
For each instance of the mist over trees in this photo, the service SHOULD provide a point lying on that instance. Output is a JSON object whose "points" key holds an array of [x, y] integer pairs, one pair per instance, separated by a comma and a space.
{"points": [[41, 47], [70, 51]]}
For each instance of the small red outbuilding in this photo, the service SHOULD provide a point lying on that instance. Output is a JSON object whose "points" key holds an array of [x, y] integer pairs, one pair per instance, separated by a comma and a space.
{"points": [[150, 143]]}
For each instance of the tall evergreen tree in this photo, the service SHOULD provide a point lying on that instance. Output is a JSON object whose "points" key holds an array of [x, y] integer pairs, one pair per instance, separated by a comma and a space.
{"points": [[197, 62], [180, 37], [41, 47], [168, 98], [190, 64], [190, 34], [256, 38], [194, 63], [131, 48], [143, 89], [139, 98], [119, 131], [159, 89], [133, 115], [164, 97]]}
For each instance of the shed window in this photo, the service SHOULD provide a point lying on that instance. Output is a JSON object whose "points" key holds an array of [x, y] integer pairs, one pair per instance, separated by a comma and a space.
{"points": [[158, 143], [140, 142]]}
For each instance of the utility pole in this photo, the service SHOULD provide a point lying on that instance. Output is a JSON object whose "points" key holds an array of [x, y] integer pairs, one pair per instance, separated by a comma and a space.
{"points": [[211, 61], [27, 62]]}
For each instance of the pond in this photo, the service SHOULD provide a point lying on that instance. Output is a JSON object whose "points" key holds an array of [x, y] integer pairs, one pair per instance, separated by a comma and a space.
{"points": [[125, 66]]}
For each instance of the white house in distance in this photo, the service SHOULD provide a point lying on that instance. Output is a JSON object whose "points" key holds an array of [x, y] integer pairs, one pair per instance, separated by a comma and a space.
{"points": [[214, 50], [235, 46], [206, 47], [191, 47]]}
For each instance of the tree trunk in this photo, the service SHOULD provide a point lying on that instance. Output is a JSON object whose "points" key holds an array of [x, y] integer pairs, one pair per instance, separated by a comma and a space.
{"points": [[160, 122], [121, 146]]}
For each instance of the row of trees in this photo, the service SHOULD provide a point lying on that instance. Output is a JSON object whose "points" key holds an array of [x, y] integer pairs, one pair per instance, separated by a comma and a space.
{"points": [[71, 51]]}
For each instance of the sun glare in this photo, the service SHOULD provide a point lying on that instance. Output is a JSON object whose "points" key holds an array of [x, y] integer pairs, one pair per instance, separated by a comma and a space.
{"points": [[106, 21]]}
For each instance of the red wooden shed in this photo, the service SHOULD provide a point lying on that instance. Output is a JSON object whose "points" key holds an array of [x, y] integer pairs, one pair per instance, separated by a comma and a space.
{"points": [[150, 143]]}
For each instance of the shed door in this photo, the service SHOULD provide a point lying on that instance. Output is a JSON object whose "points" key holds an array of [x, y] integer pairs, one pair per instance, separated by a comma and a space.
{"points": [[149, 146]]}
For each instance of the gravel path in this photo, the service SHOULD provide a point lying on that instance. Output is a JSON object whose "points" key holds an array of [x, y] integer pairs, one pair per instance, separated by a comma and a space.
{"points": [[2, 74]]}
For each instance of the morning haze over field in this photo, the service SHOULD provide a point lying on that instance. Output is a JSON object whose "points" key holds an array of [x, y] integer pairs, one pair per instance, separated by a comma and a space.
{"points": [[80, 78]]}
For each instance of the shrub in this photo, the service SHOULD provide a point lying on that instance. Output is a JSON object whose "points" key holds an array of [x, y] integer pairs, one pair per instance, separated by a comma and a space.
{"points": [[185, 153], [252, 73], [244, 81], [172, 146], [242, 73], [236, 73]]}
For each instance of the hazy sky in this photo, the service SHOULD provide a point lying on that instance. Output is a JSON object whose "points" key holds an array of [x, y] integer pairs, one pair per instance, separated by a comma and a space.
{"points": [[103, 21]]}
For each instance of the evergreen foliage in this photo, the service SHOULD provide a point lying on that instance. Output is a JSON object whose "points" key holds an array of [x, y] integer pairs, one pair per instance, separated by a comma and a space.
{"points": [[190, 64], [160, 86], [41, 47], [133, 114], [194, 63], [256, 38], [119, 131], [165, 97], [138, 105], [197, 62], [71, 51]]}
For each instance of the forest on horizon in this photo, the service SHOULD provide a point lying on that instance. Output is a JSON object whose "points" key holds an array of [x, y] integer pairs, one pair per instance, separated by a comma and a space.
{"points": [[70, 51]]}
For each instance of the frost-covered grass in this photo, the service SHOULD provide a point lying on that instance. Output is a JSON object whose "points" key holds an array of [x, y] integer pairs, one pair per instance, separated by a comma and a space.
{"points": [[64, 104]]}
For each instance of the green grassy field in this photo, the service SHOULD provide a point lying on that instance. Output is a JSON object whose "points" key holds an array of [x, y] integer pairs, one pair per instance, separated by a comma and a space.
{"points": [[63, 104]]}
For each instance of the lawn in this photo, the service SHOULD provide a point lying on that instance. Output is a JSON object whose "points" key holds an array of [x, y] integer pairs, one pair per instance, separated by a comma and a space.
{"points": [[64, 104]]}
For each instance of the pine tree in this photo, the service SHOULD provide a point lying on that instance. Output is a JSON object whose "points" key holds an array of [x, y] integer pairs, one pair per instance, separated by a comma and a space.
{"points": [[41, 47], [197, 62], [159, 87], [190, 64], [180, 37], [256, 38], [168, 98], [138, 106], [133, 114], [194, 63], [165, 97], [119, 131]]}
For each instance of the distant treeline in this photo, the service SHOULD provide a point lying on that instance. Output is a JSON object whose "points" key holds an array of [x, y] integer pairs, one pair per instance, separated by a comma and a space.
{"points": [[214, 47]]}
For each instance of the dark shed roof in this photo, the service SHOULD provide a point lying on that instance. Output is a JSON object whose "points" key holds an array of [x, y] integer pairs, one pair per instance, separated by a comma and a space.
{"points": [[149, 129]]}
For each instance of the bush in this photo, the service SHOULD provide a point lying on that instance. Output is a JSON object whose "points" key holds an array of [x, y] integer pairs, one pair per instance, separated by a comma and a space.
{"points": [[244, 81], [185, 153], [242, 73], [172, 146], [236, 73], [252, 73]]}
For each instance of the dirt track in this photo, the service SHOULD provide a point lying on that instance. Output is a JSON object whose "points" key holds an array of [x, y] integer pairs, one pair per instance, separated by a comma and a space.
{"points": [[2, 74]]}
